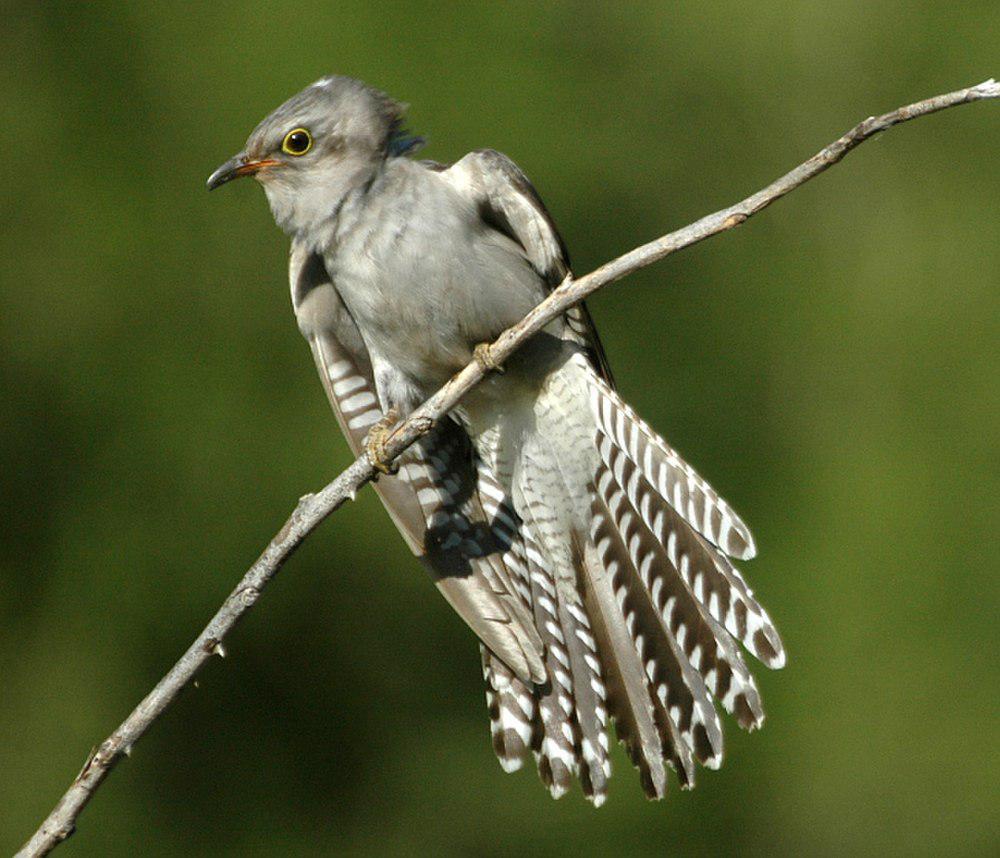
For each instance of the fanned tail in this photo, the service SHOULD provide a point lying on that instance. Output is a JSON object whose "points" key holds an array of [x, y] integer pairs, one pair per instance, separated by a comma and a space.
{"points": [[626, 574]]}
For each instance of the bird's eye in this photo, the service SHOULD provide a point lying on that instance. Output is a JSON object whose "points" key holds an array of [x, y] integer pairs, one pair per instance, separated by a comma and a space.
{"points": [[297, 142]]}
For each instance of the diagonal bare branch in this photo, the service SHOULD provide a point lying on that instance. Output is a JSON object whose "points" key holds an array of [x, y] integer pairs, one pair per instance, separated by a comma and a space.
{"points": [[313, 508]]}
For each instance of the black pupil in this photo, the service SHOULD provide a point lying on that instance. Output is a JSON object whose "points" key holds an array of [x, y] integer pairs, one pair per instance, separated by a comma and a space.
{"points": [[298, 141]]}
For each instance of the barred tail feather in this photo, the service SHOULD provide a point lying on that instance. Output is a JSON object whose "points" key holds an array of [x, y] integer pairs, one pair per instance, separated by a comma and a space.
{"points": [[557, 757], [511, 705], [553, 737], [591, 703], [677, 685], [707, 573], [574, 669], [695, 641], [675, 480], [630, 699]]}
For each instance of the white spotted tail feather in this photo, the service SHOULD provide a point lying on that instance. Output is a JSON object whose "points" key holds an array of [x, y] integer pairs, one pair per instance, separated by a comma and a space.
{"points": [[674, 480], [647, 629], [687, 518]]}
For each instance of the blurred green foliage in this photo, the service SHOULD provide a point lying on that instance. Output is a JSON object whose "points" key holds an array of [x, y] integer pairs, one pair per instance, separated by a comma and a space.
{"points": [[832, 367]]}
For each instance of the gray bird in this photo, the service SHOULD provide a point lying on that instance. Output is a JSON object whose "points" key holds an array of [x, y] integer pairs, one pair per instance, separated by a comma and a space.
{"points": [[591, 561]]}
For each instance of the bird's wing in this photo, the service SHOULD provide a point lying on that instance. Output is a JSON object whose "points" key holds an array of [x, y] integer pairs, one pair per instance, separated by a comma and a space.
{"points": [[433, 500], [509, 203]]}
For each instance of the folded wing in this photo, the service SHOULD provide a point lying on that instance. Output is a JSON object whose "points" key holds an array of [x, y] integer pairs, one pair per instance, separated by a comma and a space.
{"points": [[433, 500]]}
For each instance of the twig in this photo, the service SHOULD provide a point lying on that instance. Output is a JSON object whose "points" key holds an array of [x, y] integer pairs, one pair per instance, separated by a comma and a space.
{"points": [[312, 509]]}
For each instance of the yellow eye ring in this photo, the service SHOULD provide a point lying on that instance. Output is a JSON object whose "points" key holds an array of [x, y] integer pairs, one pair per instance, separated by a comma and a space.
{"points": [[297, 142]]}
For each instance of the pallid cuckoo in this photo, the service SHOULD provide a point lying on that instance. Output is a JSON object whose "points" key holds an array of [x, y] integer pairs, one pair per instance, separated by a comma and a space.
{"points": [[591, 561]]}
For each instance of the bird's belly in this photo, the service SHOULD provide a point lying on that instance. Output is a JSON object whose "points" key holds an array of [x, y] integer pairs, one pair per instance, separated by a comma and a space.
{"points": [[419, 337], [425, 319]]}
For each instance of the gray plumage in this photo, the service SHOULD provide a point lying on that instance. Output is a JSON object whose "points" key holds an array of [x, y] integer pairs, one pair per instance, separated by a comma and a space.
{"points": [[591, 561]]}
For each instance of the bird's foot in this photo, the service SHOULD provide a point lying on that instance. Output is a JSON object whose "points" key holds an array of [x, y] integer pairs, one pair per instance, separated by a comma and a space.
{"points": [[484, 357], [376, 440]]}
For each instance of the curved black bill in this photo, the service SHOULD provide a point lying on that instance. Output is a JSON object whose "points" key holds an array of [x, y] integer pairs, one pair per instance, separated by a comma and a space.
{"points": [[235, 167]]}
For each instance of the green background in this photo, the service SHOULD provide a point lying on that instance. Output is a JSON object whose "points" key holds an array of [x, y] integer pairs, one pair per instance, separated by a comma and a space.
{"points": [[831, 368]]}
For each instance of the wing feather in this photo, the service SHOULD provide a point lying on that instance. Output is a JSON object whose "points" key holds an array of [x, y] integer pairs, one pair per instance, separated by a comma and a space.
{"points": [[509, 203], [467, 572]]}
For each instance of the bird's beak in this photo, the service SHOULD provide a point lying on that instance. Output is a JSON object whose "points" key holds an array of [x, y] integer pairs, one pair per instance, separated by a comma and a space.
{"points": [[240, 165]]}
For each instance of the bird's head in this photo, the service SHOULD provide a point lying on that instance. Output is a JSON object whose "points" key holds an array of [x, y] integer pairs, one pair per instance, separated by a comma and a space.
{"points": [[317, 147]]}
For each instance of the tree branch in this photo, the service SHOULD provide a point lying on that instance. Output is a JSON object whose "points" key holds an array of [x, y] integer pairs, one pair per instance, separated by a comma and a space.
{"points": [[312, 509]]}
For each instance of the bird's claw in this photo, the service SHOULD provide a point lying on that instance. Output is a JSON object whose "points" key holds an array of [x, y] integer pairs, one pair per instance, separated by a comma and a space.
{"points": [[375, 443], [484, 357]]}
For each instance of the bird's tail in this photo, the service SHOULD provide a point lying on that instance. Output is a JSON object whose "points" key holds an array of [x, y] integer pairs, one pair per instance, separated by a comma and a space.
{"points": [[622, 554]]}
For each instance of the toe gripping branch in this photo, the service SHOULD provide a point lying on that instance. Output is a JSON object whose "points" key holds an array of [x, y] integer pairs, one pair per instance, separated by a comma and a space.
{"points": [[378, 435], [484, 357], [375, 443]]}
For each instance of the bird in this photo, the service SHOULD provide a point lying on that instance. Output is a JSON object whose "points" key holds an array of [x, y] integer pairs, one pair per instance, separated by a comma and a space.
{"points": [[594, 565]]}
